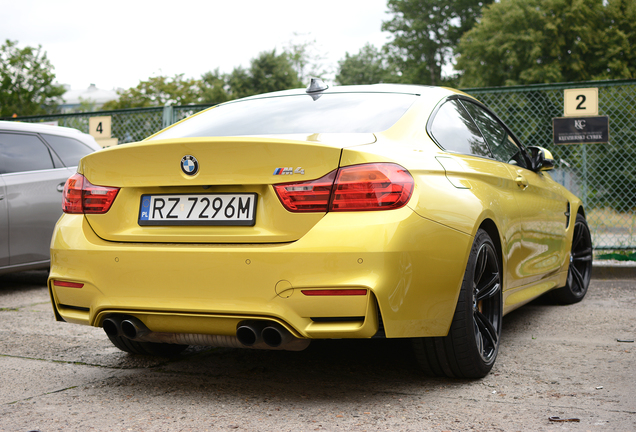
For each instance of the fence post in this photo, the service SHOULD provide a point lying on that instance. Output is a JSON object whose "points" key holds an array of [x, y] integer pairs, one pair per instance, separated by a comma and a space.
{"points": [[584, 196], [167, 117]]}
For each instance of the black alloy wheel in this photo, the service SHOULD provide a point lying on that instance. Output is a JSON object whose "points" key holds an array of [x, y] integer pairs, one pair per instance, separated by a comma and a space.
{"points": [[487, 308], [580, 271], [470, 348]]}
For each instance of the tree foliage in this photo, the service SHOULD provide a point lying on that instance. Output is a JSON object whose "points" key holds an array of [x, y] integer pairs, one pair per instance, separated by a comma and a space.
{"points": [[369, 66], [268, 72], [544, 41], [26, 81], [157, 91], [213, 88], [425, 34]]}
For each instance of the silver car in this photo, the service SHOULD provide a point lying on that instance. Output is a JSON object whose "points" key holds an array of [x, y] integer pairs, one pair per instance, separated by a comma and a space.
{"points": [[35, 161]]}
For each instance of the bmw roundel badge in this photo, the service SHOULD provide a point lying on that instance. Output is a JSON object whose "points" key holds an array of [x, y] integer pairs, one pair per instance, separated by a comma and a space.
{"points": [[189, 165]]}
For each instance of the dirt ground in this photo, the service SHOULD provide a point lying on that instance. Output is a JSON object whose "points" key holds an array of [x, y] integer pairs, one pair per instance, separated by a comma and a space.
{"points": [[554, 361]]}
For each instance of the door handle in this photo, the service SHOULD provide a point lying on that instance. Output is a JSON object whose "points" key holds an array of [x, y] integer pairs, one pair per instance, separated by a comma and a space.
{"points": [[522, 182], [60, 187]]}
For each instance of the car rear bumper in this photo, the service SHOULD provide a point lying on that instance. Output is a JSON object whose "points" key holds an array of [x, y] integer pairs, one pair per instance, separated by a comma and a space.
{"points": [[410, 270]]}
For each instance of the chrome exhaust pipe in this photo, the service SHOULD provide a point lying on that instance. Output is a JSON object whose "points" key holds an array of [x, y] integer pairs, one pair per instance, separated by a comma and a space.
{"points": [[274, 334], [278, 337], [112, 325], [252, 334], [249, 333], [133, 328]]}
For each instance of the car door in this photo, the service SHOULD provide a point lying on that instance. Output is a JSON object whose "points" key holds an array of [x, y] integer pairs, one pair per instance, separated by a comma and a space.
{"points": [[33, 195], [544, 230], [488, 179], [539, 199], [4, 226]]}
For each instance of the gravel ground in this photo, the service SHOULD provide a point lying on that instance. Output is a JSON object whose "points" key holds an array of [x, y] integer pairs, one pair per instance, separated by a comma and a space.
{"points": [[563, 361]]}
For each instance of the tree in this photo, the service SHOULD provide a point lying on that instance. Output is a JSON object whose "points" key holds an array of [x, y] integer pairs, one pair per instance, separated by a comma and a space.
{"points": [[619, 41], [239, 83], [158, 91], [369, 66], [544, 41], [425, 35], [267, 73], [213, 88], [26, 81]]}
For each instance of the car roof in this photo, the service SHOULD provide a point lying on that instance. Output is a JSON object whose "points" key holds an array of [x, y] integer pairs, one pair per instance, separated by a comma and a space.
{"points": [[417, 90], [15, 126]]}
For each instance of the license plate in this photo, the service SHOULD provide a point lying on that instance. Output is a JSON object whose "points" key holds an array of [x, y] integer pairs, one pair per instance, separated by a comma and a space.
{"points": [[198, 209]]}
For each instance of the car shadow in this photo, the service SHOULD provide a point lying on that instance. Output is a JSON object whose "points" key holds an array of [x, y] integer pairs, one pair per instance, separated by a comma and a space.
{"points": [[326, 370], [23, 281], [372, 365]]}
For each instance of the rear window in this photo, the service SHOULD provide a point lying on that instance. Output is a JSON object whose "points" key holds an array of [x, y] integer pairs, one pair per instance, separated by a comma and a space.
{"points": [[68, 149], [297, 114]]}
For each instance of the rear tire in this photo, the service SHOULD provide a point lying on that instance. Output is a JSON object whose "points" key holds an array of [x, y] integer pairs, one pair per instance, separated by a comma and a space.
{"points": [[470, 348], [146, 348], [580, 270]]}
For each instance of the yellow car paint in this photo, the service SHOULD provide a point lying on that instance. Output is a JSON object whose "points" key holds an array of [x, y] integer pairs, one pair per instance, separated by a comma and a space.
{"points": [[411, 261]]}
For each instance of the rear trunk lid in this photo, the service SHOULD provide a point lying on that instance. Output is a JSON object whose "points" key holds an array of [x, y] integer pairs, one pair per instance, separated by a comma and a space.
{"points": [[240, 167]]}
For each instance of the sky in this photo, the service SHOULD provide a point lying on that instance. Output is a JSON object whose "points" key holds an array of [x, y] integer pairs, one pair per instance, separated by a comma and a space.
{"points": [[116, 43]]}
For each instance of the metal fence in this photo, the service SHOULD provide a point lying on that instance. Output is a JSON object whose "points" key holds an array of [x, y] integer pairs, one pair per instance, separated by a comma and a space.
{"points": [[127, 125], [603, 175]]}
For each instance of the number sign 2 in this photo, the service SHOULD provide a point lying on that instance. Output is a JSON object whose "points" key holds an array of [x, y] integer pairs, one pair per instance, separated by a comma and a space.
{"points": [[580, 102], [99, 127]]}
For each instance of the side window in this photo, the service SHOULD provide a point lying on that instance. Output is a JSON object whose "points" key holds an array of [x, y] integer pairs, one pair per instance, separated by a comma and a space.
{"points": [[20, 152], [68, 149], [502, 145], [454, 130]]}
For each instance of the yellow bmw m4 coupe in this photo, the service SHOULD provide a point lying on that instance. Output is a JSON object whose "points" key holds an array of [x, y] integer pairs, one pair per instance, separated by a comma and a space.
{"points": [[380, 211]]}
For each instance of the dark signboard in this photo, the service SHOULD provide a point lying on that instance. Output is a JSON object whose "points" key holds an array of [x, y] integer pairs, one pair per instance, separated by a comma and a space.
{"points": [[580, 130]]}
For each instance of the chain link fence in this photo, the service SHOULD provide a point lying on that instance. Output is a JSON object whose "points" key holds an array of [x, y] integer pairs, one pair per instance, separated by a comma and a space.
{"points": [[603, 175], [127, 125]]}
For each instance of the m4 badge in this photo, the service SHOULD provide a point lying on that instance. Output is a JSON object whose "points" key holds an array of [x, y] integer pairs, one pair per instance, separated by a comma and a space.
{"points": [[289, 171]]}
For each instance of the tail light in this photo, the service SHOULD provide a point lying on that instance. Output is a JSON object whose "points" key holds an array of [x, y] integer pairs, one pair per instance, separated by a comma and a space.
{"points": [[80, 196], [311, 196], [367, 187], [335, 292], [68, 284], [372, 187]]}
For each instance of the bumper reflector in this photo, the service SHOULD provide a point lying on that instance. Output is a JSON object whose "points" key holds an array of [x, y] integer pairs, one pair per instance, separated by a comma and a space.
{"points": [[335, 292], [68, 284]]}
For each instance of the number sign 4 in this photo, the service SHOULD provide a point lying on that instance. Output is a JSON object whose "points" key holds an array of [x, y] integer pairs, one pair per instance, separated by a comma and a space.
{"points": [[99, 127]]}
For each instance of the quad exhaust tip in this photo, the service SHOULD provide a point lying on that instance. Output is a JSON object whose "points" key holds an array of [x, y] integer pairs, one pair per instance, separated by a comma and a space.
{"points": [[253, 334], [268, 335]]}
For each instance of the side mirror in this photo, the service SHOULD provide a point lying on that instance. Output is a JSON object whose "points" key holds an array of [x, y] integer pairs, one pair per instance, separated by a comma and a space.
{"points": [[541, 159]]}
